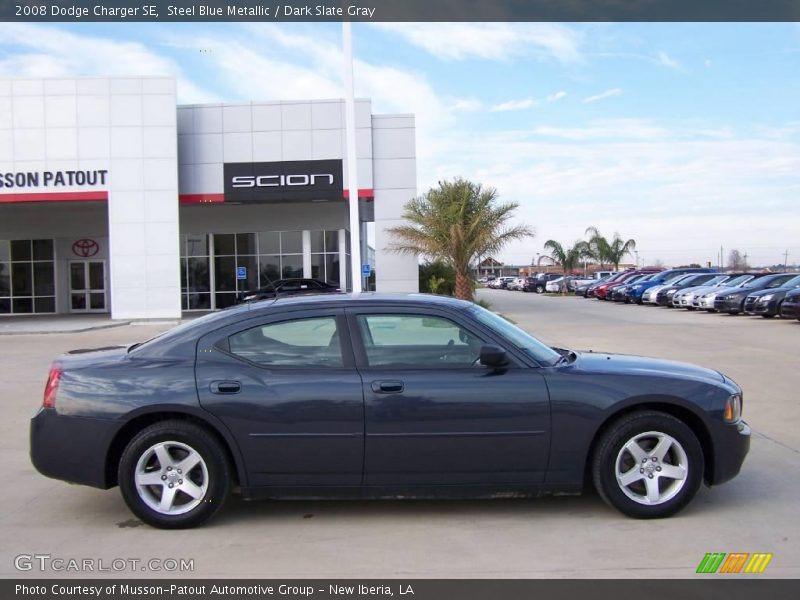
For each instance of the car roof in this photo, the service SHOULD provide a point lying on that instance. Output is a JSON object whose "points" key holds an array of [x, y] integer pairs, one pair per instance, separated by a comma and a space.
{"points": [[181, 339]]}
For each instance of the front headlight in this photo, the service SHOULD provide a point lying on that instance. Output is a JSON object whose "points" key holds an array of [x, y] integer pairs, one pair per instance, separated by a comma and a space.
{"points": [[766, 298], [733, 408]]}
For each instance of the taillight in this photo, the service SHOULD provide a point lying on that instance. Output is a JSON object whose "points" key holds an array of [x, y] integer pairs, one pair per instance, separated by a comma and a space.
{"points": [[51, 388]]}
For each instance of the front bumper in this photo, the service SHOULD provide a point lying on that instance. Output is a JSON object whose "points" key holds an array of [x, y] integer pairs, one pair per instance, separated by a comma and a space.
{"points": [[790, 310], [731, 445], [770, 307], [72, 449], [733, 306]]}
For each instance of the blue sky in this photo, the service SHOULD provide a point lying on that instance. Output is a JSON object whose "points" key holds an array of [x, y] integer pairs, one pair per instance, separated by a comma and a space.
{"points": [[685, 137]]}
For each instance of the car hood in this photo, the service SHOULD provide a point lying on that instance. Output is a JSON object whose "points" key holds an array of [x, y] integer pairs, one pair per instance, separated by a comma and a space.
{"points": [[783, 291], [597, 362]]}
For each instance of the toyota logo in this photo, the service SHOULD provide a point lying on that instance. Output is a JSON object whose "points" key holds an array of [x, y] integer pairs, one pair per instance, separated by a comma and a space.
{"points": [[85, 248]]}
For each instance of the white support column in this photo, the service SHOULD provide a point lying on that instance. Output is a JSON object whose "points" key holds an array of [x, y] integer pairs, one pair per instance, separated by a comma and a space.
{"points": [[342, 259], [306, 253], [352, 162]]}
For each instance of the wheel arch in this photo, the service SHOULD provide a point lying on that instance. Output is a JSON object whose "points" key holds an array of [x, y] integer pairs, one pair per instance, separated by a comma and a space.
{"points": [[686, 415], [142, 419]]}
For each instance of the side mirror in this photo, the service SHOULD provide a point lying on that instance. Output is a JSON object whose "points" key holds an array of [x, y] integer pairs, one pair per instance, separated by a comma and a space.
{"points": [[493, 356]]}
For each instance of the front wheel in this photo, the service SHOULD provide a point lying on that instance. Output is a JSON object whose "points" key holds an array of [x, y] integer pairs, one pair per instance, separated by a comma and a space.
{"points": [[648, 465], [540, 289], [174, 475]]}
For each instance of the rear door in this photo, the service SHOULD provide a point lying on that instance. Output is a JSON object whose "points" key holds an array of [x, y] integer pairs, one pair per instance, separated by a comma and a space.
{"points": [[287, 388], [433, 416]]}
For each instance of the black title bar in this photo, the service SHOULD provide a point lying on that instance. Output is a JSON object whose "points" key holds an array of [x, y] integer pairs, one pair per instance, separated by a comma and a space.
{"points": [[399, 10]]}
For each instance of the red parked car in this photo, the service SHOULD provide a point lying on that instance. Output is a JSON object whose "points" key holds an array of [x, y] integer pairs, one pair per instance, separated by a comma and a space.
{"points": [[602, 291]]}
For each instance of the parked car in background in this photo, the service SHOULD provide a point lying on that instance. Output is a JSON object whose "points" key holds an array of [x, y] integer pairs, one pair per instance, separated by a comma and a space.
{"points": [[665, 294], [620, 292], [538, 283], [587, 289], [790, 307], [636, 291], [707, 299], [685, 298], [370, 396], [501, 282], [767, 303], [289, 287], [602, 291], [732, 302]]}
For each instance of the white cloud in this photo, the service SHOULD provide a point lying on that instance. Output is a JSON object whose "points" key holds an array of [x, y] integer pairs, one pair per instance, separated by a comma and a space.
{"points": [[491, 41], [610, 129], [603, 95], [47, 51], [514, 105], [665, 60], [557, 96], [466, 104]]}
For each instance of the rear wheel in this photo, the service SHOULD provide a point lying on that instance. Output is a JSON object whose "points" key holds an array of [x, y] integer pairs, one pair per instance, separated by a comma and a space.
{"points": [[540, 289], [174, 475], [648, 465]]}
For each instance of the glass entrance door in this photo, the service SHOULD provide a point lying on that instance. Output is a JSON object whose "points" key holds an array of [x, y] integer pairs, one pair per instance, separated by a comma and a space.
{"points": [[87, 286]]}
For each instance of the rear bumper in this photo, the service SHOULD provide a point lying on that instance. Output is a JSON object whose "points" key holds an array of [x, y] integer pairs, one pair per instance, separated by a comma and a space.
{"points": [[731, 445], [72, 449]]}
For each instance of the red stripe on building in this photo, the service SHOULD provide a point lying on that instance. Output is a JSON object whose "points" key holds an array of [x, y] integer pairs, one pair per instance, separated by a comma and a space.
{"points": [[366, 193], [201, 198], [55, 197]]}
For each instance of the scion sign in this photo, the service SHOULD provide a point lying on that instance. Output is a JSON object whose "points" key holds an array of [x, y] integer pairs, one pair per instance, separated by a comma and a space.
{"points": [[304, 180]]}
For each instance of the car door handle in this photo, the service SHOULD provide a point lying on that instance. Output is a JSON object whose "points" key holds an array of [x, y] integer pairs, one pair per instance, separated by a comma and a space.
{"points": [[225, 387], [387, 387]]}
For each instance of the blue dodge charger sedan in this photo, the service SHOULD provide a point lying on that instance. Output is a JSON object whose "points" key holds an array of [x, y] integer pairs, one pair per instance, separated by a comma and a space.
{"points": [[379, 396]]}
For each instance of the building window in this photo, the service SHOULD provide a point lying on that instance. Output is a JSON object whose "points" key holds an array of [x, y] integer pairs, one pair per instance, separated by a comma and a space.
{"points": [[325, 256], [195, 274], [27, 277]]}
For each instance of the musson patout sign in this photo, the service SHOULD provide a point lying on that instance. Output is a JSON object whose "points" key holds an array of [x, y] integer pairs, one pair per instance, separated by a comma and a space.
{"points": [[35, 180]]}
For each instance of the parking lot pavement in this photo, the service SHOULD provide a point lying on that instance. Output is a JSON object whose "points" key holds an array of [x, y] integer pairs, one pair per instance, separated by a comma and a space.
{"points": [[551, 537]]}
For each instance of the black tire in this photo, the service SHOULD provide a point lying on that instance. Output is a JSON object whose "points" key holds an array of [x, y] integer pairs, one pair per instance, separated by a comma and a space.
{"points": [[214, 470], [610, 448]]}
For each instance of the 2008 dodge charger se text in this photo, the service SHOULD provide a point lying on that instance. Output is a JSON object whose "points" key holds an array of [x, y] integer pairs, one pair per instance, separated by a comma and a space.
{"points": [[379, 396]]}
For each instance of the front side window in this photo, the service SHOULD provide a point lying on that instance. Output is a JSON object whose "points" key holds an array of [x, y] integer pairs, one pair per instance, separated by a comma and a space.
{"points": [[417, 342], [524, 341], [312, 342]]}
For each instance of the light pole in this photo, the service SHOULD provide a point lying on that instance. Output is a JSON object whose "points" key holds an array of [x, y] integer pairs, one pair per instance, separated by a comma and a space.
{"points": [[352, 163]]}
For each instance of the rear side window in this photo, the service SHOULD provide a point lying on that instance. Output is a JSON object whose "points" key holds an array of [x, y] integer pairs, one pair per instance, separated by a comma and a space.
{"points": [[312, 342]]}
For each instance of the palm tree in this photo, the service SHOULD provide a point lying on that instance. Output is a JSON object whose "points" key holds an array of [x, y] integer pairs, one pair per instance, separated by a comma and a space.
{"points": [[611, 252], [457, 222], [568, 258], [597, 246]]}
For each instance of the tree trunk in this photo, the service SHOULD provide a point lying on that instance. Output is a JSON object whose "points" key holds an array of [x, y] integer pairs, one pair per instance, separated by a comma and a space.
{"points": [[463, 285]]}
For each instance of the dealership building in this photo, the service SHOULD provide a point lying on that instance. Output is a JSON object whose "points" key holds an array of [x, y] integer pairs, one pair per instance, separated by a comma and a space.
{"points": [[115, 199]]}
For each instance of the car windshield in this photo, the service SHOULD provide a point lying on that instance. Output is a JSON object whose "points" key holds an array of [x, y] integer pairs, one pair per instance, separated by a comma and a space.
{"points": [[757, 282], [506, 329], [716, 280], [793, 282], [736, 281]]}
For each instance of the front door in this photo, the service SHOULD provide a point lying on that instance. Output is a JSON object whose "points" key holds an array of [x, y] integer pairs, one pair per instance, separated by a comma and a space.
{"points": [[87, 286], [433, 416]]}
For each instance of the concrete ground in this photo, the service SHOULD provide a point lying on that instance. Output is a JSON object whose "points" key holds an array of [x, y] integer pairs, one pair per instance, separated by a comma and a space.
{"points": [[553, 537]]}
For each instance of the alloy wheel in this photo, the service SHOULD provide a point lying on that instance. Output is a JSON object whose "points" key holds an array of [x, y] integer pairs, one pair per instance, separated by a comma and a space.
{"points": [[651, 468]]}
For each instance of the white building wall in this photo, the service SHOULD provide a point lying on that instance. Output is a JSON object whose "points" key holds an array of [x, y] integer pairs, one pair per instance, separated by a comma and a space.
{"points": [[126, 126], [143, 198], [395, 173]]}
